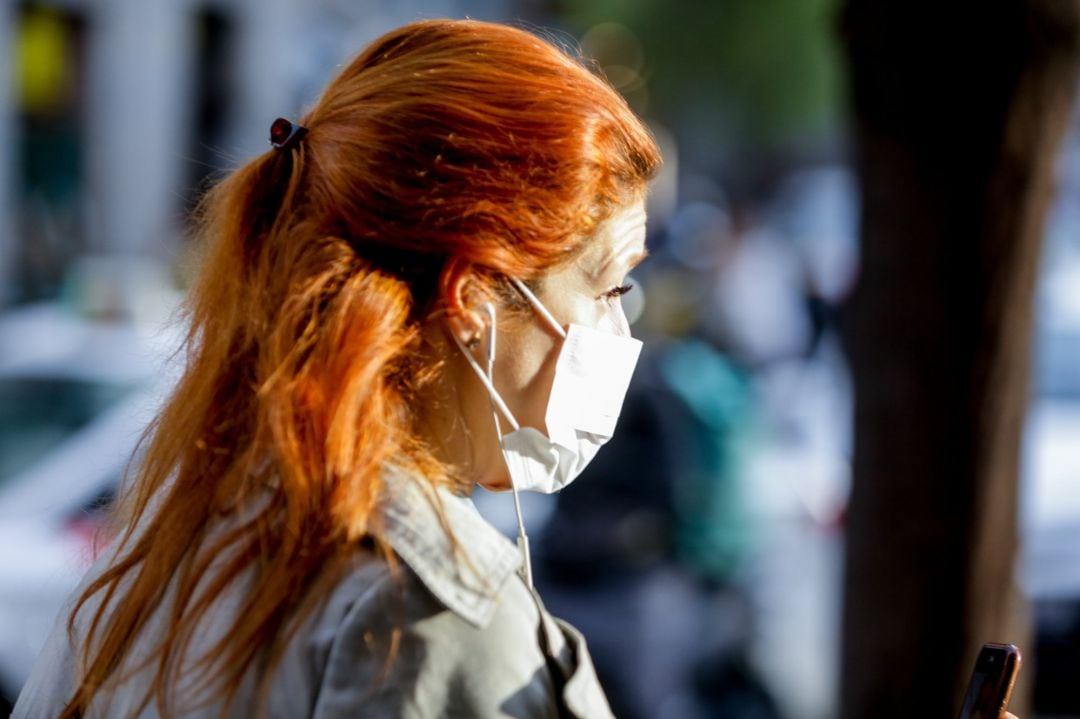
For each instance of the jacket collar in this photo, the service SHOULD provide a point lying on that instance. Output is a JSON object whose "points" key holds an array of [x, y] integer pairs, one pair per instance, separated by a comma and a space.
{"points": [[466, 579]]}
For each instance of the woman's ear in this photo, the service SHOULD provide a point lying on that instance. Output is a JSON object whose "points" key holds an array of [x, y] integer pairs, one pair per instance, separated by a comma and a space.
{"points": [[463, 300]]}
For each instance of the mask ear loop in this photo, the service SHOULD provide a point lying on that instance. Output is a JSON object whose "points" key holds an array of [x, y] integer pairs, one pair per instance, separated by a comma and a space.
{"points": [[523, 538], [539, 307], [498, 405], [493, 394]]}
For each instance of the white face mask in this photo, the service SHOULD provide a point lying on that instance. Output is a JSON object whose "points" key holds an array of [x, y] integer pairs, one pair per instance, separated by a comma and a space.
{"points": [[592, 374]]}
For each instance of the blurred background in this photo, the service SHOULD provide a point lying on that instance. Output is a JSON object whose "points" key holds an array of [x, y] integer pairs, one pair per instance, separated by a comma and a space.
{"points": [[703, 553]]}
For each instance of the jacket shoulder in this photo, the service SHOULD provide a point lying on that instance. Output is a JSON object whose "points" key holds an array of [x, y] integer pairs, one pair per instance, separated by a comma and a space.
{"points": [[397, 650]]}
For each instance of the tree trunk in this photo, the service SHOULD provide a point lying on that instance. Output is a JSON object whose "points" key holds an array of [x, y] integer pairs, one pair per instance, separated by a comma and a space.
{"points": [[958, 114]]}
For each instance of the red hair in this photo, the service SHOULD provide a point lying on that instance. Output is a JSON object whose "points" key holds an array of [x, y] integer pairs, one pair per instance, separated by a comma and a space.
{"points": [[444, 141]]}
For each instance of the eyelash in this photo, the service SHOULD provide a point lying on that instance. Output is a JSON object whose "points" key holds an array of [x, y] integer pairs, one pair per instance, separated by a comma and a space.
{"points": [[616, 292]]}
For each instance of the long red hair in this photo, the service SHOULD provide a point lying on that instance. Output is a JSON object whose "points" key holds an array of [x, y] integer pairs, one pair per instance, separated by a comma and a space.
{"points": [[444, 140]]}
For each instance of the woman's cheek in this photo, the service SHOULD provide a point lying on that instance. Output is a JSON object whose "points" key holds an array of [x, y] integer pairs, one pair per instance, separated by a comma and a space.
{"points": [[524, 371]]}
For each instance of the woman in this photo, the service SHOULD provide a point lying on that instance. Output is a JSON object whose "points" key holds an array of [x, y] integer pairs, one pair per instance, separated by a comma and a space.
{"points": [[415, 291]]}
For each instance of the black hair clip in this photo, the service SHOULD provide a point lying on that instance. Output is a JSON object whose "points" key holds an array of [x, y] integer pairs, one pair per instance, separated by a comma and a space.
{"points": [[284, 134]]}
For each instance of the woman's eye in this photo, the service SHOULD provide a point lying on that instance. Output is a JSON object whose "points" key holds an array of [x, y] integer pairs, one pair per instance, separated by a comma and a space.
{"points": [[616, 292]]}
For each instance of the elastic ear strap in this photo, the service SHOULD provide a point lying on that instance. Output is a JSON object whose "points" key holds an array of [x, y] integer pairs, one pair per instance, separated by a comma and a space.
{"points": [[487, 383], [539, 307], [493, 395]]}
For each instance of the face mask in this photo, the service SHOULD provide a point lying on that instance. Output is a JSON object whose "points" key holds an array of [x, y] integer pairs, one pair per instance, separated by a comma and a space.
{"points": [[592, 374]]}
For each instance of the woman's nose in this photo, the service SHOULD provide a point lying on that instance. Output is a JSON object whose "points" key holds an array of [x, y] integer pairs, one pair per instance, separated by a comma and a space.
{"points": [[619, 324]]}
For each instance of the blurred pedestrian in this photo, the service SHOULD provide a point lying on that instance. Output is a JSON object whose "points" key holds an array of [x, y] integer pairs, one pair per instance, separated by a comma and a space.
{"points": [[415, 291]]}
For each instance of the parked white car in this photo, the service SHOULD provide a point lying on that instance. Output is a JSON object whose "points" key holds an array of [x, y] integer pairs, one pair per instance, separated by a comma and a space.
{"points": [[75, 396]]}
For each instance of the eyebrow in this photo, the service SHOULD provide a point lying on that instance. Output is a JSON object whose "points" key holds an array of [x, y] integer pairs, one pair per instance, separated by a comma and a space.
{"points": [[639, 258], [631, 262]]}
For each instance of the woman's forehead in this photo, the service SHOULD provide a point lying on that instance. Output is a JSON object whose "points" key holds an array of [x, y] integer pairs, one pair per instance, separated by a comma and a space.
{"points": [[619, 241]]}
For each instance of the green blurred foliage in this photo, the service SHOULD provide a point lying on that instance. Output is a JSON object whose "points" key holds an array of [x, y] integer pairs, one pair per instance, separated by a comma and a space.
{"points": [[764, 74]]}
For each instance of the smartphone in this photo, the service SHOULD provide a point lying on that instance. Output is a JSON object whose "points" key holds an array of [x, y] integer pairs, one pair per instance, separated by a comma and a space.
{"points": [[991, 683]]}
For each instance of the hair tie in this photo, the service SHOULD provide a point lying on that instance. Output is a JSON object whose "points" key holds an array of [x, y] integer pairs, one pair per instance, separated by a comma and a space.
{"points": [[285, 134]]}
